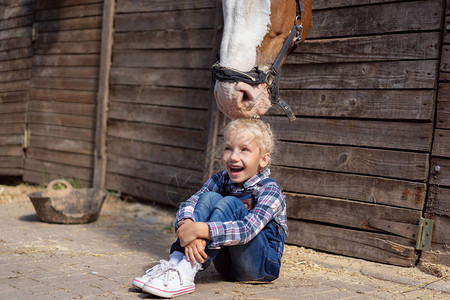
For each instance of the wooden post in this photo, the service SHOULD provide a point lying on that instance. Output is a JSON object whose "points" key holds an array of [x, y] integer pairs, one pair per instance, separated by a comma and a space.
{"points": [[103, 94], [214, 112]]}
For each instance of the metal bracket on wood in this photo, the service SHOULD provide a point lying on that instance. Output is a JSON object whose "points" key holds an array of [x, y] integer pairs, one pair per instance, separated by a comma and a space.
{"points": [[425, 234]]}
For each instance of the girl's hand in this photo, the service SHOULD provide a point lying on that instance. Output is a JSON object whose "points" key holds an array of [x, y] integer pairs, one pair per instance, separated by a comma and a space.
{"points": [[195, 251], [190, 231]]}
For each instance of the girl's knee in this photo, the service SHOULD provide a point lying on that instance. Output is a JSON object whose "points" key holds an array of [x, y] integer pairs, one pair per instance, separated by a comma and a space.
{"points": [[210, 198]]}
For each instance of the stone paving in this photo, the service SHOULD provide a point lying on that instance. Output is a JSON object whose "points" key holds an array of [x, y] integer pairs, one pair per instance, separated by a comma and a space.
{"points": [[99, 260]]}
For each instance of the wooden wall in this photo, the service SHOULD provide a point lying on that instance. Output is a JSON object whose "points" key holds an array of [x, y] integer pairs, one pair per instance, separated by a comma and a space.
{"points": [[438, 204], [355, 163], [159, 97], [64, 82], [16, 19]]}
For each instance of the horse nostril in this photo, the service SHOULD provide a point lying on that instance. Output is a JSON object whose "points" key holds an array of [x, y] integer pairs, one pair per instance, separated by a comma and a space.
{"points": [[245, 96]]}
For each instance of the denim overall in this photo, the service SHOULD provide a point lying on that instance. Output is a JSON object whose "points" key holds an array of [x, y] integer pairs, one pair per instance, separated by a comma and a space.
{"points": [[260, 258]]}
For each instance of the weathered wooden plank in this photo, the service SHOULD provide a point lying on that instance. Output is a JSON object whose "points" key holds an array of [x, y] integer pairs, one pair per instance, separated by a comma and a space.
{"points": [[11, 140], [15, 43], [63, 95], [445, 59], [368, 48], [61, 120], [153, 191], [13, 97], [373, 19], [45, 4], [12, 107], [440, 171], [86, 47], [165, 39], [14, 3], [69, 72], [368, 189], [414, 74], [186, 118], [11, 162], [438, 201], [63, 171], [362, 244], [59, 144], [179, 137], [360, 104], [324, 4], [8, 12], [385, 163], [441, 143], [62, 132], [16, 75], [161, 77], [73, 159], [11, 172], [82, 109], [12, 128], [196, 59], [15, 86], [441, 234], [79, 11], [189, 159], [388, 134], [70, 36], [81, 84], [11, 150], [190, 19], [351, 214], [129, 6], [21, 32], [16, 22], [15, 54], [66, 60], [155, 172], [446, 34], [15, 64], [70, 24], [40, 177], [443, 107], [166, 96], [13, 118]]}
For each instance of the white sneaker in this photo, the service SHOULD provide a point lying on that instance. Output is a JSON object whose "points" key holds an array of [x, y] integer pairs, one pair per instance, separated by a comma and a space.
{"points": [[169, 284], [157, 270]]}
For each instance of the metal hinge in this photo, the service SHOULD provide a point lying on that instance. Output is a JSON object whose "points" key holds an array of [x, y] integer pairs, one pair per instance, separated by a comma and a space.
{"points": [[26, 139], [424, 234], [34, 32], [421, 233]]}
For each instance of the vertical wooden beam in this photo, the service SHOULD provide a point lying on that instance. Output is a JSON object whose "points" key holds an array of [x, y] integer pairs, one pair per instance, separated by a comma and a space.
{"points": [[100, 155], [214, 112]]}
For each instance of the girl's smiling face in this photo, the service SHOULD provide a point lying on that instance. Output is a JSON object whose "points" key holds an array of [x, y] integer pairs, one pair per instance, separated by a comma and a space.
{"points": [[242, 155]]}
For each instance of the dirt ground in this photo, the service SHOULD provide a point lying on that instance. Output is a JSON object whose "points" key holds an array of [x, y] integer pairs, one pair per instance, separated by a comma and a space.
{"points": [[298, 262]]}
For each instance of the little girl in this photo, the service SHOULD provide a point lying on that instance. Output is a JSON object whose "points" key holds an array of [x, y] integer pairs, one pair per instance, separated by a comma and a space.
{"points": [[237, 219]]}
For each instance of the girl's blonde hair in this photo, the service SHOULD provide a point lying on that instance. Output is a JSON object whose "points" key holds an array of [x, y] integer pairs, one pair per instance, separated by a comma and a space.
{"points": [[259, 128]]}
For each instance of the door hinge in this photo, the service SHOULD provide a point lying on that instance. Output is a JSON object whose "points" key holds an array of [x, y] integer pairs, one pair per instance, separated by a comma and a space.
{"points": [[34, 32], [26, 139], [424, 234]]}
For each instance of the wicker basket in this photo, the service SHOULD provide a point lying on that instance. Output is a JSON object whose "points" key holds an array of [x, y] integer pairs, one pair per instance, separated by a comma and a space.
{"points": [[69, 205]]}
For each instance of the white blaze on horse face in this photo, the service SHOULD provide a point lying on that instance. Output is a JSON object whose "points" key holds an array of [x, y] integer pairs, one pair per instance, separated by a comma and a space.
{"points": [[246, 23]]}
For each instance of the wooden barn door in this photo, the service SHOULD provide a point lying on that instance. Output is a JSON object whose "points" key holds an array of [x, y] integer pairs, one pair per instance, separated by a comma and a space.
{"points": [[63, 91], [16, 19], [355, 163]]}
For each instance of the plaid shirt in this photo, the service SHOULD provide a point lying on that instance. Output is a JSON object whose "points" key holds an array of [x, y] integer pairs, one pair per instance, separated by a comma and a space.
{"points": [[270, 205]]}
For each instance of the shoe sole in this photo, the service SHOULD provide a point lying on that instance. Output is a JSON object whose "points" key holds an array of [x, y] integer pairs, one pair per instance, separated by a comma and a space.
{"points": [[138, 284], [167, 294]]}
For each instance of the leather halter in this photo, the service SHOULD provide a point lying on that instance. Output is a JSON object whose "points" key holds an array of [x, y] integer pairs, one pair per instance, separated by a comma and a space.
{"points": [[271, 77]]}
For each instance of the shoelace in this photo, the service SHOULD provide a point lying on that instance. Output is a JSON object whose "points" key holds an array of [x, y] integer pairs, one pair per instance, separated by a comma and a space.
{"points": [[163, 265], [167, 275]]}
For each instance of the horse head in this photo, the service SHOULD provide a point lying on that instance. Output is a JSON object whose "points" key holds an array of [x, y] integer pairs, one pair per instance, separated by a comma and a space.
{"points": [[257, 37]]}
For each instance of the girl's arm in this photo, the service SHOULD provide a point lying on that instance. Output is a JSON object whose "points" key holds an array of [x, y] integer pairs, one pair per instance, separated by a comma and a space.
{"points": [[191, 231]]}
